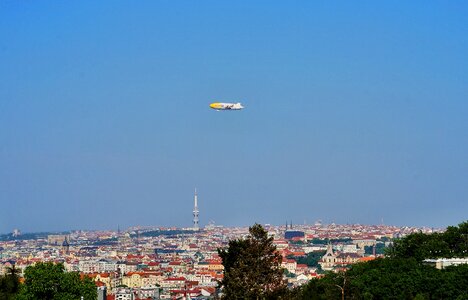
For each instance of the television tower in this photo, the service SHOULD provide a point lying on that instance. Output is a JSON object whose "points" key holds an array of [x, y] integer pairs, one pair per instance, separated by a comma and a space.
{"points": [[195, 212]]}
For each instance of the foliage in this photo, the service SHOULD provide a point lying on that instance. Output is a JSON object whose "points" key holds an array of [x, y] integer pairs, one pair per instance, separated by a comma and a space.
{"points": [[299, 242], [328, 287], [379, 249], [312, 259], [288, 274], [317, 241], [401, 275], [9, 284], [399, 278], [252, 268], [49, 281], [451, 243], [28, 236], [389, 278]]}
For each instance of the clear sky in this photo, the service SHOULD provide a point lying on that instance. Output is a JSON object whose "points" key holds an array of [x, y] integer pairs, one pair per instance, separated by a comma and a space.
{"points": [[355, 111]]}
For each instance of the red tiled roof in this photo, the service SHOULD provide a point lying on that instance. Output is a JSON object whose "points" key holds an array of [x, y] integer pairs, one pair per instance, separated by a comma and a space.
{"points": [[210, 290], [175, 279], [366, 258], [100, 283]]}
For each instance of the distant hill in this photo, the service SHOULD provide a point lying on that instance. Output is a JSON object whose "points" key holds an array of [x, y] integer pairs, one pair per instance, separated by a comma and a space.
{"points": [[28, 236]]}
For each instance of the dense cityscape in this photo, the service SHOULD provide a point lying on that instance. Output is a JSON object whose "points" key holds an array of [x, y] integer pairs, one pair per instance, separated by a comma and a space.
{"points": [[175, 263]]}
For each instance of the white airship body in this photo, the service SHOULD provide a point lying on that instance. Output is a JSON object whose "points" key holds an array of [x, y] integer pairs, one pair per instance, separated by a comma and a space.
{"points": [[226, 106]]}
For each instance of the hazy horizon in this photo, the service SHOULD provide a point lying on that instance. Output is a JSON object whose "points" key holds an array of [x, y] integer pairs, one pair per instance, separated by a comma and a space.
{"points": [[202, 227]]}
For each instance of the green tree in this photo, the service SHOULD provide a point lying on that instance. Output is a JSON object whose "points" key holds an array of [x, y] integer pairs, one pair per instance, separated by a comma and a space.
{"points": [[312, 259], [9, 284], [49, 281], [331, 287], [451, 243], [252, 268], [402, 274], [379, 249]]}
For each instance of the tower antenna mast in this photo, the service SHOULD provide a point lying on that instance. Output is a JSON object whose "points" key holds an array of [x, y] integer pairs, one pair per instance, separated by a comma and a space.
{"points": [[195, 211]]}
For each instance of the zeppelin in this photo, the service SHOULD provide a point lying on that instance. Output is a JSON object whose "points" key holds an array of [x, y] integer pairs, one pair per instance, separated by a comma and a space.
{"points": [[226, 106]]}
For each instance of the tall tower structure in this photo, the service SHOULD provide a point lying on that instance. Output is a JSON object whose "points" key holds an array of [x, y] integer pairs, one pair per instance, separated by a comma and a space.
{"points": [[195, 212]]}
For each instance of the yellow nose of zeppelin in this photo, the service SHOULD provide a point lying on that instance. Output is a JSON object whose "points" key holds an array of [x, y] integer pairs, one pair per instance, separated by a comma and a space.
{"points": [[214, 105]]}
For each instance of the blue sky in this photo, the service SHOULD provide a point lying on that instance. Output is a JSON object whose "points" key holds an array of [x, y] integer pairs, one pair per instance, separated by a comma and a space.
{"points": [[354, 112]]}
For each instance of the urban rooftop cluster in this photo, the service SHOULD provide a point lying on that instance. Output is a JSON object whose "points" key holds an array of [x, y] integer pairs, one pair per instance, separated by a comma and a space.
{"points": [[173, 263]]}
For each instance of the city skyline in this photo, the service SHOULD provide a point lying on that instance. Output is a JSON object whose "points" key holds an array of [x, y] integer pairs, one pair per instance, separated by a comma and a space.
{"points": [[173, 262], [289, 224], [353, 113]]}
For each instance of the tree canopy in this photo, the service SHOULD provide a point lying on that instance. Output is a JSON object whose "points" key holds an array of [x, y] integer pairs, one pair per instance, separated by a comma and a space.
{"points": [[402, 274], [9, 284], [49, 281], [312, 259], [252, 268], [451, 243]]}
